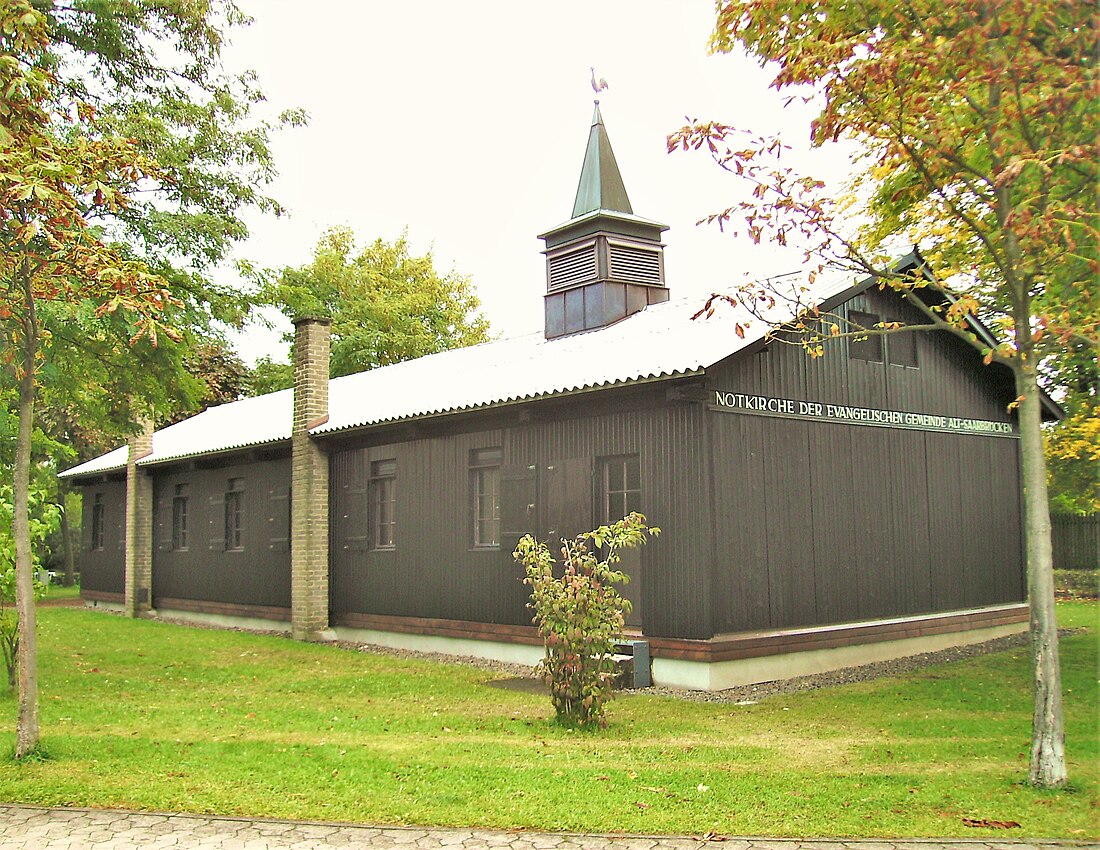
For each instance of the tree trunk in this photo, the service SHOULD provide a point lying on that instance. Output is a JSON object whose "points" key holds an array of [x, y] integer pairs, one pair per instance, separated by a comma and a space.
{"points": [[26, 659], [67, 552], [1048, 746]]}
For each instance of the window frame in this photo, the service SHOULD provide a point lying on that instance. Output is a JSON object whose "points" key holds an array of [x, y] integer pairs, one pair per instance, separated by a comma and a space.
{"points": [[620, 463], [382, 490], [234, 515], [889, 345], [484, 466], [181, 532]]}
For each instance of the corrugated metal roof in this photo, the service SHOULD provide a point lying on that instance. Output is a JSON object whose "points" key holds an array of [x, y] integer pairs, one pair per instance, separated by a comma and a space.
{"points": [[248, 422], [662, 341]]}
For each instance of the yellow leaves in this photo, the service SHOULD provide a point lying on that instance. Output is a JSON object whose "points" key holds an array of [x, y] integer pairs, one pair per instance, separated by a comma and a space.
{"points": [[1077, 437], [962, 308]]}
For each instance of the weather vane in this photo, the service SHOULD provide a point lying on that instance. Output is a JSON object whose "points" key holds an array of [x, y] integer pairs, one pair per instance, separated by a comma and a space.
{"points": [[597, 85]]}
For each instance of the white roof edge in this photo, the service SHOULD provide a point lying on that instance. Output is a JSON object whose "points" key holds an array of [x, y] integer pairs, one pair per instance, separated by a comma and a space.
{"points": [[156, 459], [112, 461], [326, 428]]}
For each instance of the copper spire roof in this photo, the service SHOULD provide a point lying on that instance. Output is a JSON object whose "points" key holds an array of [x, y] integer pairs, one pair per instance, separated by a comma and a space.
{"points": [[601, 185]]}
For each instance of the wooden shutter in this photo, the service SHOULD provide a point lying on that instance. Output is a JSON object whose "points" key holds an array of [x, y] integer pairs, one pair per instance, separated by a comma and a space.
{"points": [[569, 499], [162, 524], [86, 510], [216, 522], [902, 348], [356, 519], [518, 505], [121, 524], [869, 347], [278, 520]]}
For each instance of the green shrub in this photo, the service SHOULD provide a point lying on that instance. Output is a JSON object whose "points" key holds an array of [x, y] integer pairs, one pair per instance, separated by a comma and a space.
{"points": [[580, 614], [1077, 584]]}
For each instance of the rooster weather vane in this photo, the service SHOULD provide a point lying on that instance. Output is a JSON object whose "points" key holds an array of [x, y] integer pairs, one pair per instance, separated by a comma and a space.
{"points": [[598, 85]]}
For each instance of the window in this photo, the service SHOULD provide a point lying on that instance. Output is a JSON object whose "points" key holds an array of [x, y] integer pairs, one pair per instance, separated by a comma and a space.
{"points": [[485, 497], [868, 347], [621, 485], [383, 503], [902, 349], [234, 515], [179, 519], [98, 521]]}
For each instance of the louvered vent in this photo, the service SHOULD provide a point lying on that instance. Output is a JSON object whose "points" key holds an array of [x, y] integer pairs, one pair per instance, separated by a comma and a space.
{"points": [[574, 267], [636, 265]]}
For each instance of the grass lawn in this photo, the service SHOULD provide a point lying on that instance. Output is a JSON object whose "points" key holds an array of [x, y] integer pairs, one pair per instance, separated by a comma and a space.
{"points": [[147, 715], [58, 592]]}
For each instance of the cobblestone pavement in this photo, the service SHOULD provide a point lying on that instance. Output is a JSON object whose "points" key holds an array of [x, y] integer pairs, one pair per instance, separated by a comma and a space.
{"points": [[33, 828]]}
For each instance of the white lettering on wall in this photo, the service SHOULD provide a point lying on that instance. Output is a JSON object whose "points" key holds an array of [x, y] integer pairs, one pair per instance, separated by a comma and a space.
{"points": [[858, 415]]}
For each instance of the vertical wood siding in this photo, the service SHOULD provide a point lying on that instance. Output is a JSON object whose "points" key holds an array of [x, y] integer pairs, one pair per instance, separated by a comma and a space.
{"points": [[434, 572], [104, 570], [819, 522], [860, 531], [1076, 541], [258, 574]]}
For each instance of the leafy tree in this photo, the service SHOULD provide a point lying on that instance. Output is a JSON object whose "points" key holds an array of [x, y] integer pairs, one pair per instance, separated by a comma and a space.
{"points": [[386, 306], [149, 71], [979, 123], [53, 262], [268, 376], [1073, 463], [1073, 445], [152, 71], [580, 614]]}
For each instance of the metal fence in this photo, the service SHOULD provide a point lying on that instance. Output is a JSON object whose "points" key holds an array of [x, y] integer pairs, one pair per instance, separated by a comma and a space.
{"points": [[1076, 541]]}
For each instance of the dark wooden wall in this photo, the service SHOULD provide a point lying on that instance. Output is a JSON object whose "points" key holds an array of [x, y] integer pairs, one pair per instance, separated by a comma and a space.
{"points": [[258, 574], [820, 522], [950, 379], [104, 570], [769, 522], [434, 572]]}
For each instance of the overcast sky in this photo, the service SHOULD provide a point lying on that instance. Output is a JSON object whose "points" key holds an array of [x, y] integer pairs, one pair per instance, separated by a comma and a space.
{"points": [[466, 123]]}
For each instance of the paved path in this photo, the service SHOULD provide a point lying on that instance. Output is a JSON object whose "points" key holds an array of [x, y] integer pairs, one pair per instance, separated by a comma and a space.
{"points": [[33, 828]]}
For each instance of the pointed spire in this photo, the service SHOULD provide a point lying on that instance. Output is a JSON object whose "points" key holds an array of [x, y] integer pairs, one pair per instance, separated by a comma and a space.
{"points": [[601, 186]]}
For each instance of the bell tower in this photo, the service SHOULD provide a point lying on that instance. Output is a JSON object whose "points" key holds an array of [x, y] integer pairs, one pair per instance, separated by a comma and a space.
{"points": [[605, 263]]}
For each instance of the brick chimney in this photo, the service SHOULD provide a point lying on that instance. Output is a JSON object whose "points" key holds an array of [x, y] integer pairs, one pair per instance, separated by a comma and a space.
{"points": [[138, 591], [309, 484]]}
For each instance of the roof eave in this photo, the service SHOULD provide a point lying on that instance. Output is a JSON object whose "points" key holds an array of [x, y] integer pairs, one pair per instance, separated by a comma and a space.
{"points": [[327, 430], [601, 213]]}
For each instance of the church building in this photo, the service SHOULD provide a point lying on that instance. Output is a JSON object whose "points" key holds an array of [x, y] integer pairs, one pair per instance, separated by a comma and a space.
{"points": [[816, 513]]}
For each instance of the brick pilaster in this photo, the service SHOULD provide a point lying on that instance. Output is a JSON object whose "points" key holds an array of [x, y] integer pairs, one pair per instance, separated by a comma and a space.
{"points": [[139, 526], [309, 484]]}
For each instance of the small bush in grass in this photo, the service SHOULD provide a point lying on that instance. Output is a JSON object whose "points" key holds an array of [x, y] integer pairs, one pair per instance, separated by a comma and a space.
{"points": [[1077, 584], [580, 614]]}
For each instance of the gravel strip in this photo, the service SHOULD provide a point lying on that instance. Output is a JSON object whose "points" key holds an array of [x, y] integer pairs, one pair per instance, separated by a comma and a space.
{"points": [[746, 694], [749, 694], [504, 668]]}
